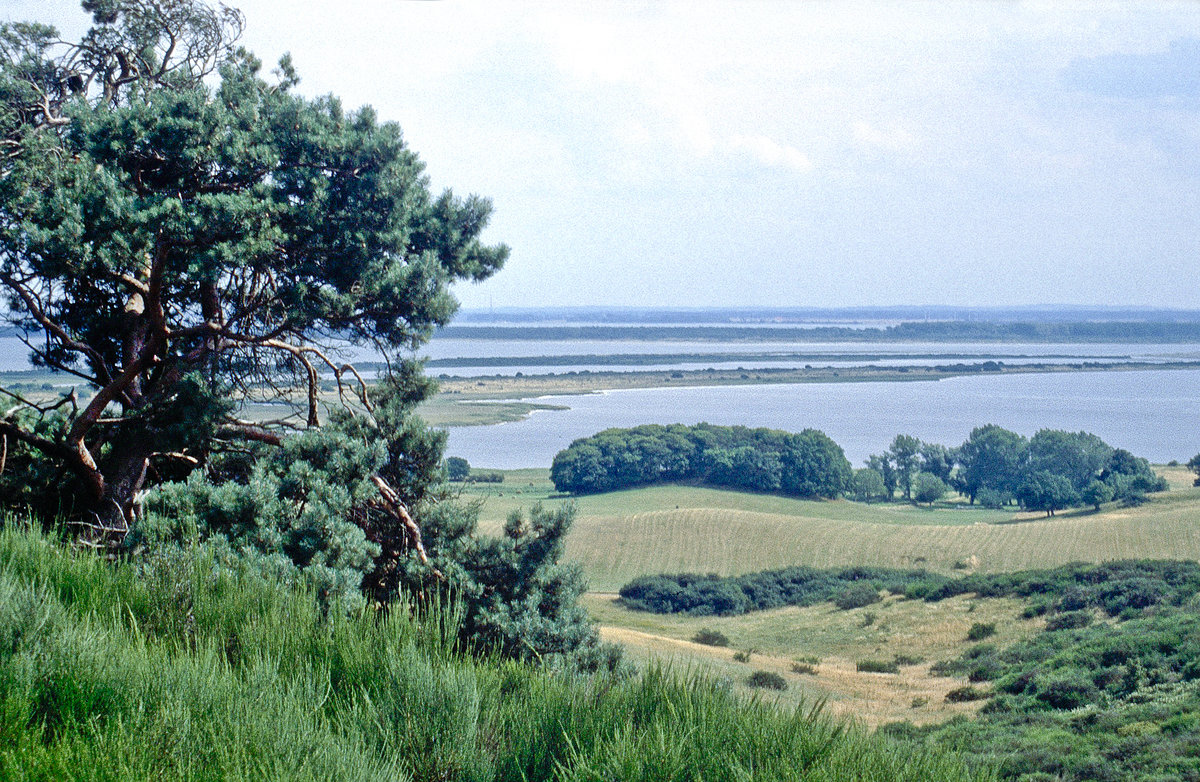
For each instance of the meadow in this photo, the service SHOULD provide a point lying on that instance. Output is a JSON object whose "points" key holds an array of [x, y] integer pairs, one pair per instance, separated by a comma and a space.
{"points": [[673, 529], [667, 529]]}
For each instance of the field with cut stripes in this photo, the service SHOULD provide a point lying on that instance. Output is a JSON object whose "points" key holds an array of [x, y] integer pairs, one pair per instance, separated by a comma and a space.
{"points": [[671, 529]]}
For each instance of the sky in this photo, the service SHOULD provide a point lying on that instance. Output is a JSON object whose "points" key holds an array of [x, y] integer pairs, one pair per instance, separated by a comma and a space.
{"points": [[770, 153]]}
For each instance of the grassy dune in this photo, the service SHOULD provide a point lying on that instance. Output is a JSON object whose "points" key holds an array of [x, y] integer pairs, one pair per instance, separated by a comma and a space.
{"points": [[187, 670], [925, 632]]}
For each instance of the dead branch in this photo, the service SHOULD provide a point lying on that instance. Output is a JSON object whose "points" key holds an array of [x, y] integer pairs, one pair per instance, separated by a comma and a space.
{"points": [[244, 430], [390, 502]]}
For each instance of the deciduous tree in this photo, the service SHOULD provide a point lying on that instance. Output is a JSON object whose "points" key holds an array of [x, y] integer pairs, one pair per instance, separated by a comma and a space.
{"points": [[993, 458], [904, 454]]}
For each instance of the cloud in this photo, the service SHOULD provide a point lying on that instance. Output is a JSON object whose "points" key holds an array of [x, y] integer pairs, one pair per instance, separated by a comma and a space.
{"points": [[770, 153], [891, 139]]}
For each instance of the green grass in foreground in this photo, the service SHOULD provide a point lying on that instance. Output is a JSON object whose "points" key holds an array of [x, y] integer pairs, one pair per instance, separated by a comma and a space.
{"points": [[184, 670]]}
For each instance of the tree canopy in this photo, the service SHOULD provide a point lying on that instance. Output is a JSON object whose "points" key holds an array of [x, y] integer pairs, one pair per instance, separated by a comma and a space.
{"points": [[804, 464], [196, 246], [177, 231]]}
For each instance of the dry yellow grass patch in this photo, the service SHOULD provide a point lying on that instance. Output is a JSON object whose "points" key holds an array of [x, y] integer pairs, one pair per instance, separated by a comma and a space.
{"points": [[781, 637]]}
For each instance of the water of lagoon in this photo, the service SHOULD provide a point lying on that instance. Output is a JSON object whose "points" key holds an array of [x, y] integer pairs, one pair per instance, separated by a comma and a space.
{"points": [[1151, 413]]}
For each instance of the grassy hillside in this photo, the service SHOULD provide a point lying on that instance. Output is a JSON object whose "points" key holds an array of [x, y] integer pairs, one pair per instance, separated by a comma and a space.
{"points": [[830, 642], [181, 669], [666, 529]]}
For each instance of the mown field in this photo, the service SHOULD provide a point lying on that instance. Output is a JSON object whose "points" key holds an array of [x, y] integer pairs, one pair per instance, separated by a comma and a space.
{"points": [[665, 529], [669, 529]]}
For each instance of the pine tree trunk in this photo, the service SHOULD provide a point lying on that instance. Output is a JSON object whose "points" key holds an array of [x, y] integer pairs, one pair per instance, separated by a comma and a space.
{"points": [[125, 475]]}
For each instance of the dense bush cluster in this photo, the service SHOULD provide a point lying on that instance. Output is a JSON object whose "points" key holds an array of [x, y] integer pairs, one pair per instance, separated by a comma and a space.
{"points": [[703, 595], [808, 464], [1117, 588], [1116, 702], [1085, 699], [1111, 586]]}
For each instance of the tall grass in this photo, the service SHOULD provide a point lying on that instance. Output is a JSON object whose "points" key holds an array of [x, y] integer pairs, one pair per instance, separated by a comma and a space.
{"points": [[181, 668]]}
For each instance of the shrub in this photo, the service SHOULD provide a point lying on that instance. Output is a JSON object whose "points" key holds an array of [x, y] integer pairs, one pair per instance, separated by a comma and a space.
{"points": [[985, 669], [906, 659], [710, 637], [1034, 610], [743, 657], [1069, 620], [766, 680], [457, 468], [965, 694], [804, 668], [981, 630], [877, 666], [1070, 689], [856, 596]]}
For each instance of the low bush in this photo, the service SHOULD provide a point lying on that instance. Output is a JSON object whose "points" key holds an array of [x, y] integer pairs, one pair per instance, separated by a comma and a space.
{"points": [[907, 659], [766, 680], [857, 596], [1034, 610], [877, 666], [965, 694], [1068, 689], [981, 630], [1069, 620], [710, 637]]}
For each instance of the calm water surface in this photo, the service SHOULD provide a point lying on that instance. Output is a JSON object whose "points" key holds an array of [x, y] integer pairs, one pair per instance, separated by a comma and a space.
{"points": [[1153, 414]]}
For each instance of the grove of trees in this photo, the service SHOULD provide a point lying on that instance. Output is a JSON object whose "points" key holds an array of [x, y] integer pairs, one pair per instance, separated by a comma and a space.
{"points": [[807, 464], [1048, 472]]}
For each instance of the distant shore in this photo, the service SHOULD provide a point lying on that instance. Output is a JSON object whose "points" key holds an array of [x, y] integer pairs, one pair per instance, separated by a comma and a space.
{"points": [[491, 399]]}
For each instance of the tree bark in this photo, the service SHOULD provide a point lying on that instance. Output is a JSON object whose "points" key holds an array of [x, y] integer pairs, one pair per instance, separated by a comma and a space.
{"points": [[113, 514]]}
